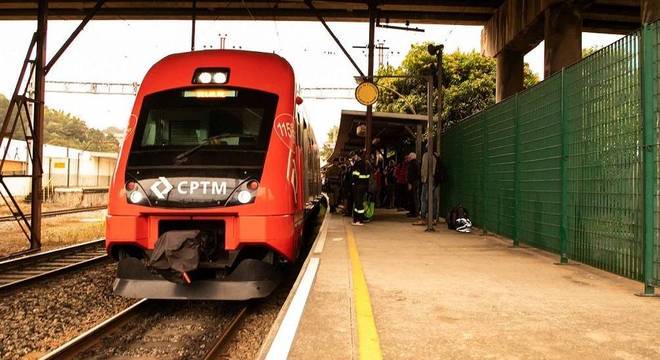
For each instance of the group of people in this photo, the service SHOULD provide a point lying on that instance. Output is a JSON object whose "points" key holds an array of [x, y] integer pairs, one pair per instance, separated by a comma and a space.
{"points": [[359, 183]]}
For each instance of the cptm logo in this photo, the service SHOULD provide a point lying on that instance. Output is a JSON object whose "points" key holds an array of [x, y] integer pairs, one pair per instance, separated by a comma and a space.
{"points": [[161, 193]]}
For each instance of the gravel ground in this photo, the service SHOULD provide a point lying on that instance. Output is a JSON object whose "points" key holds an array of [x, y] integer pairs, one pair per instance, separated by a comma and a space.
{"points": [[168, 330], [43, 316]]}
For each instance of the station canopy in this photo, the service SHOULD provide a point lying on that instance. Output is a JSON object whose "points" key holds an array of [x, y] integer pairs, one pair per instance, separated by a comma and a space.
{"points": [[389, 128], [598, 14]]}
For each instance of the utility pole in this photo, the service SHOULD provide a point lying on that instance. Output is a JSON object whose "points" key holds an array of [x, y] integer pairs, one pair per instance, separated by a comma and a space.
{"points": [[437, 82], [38, 126], [438, 52], [370, 74], [381, 51], [223, 41], [429, 152]]}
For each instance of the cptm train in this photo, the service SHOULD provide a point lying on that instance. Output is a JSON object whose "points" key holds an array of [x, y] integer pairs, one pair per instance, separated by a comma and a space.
{"points": [[217, 176]]}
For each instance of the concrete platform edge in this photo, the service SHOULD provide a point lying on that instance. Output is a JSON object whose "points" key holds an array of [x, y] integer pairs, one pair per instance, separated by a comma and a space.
{"points": [[314, 252]]}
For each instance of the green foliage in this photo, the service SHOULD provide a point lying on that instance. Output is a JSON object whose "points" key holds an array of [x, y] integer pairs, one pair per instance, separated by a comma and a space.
{"points": [[590, 50], [468, 80], [64, 129], [4, 103], [329, 145]]}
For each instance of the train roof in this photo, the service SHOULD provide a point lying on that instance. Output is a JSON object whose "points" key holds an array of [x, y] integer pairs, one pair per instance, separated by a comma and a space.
{"points": [[257, 70]]}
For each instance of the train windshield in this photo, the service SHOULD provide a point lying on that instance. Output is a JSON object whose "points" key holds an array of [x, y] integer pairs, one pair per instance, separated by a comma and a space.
{"points": [[192, 127]]}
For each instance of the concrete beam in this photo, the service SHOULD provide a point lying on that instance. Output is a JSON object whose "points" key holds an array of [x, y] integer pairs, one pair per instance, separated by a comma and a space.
{"points": [[510, 74], [650, 11], [563, 37], [515, 25], [520, 24]]}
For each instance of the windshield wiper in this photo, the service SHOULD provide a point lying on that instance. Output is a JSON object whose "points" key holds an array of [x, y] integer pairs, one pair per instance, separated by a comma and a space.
{"points": [[182, 157]]}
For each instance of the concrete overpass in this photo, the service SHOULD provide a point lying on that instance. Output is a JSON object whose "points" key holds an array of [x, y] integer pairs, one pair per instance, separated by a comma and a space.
{"points": [[517, 26]]}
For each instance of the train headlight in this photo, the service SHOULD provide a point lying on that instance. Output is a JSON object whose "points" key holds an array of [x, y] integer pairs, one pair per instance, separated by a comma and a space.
{"points": [[211, 76], [220, 78], [204, 77], [244, 196], [136, 197]]}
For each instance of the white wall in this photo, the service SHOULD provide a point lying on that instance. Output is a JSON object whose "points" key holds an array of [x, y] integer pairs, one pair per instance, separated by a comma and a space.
{"points": [[60, 163]]}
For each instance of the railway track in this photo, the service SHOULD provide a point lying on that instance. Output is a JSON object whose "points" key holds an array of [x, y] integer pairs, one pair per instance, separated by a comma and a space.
{"points": [[27, 269], [57, 212], [108, 328]]}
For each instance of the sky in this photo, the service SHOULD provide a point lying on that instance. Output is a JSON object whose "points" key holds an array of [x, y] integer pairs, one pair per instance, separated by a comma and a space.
{"points": [[123, 51]]}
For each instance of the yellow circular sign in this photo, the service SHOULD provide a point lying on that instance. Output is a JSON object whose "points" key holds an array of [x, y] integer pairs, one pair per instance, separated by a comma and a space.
{"points": [[366, 93]]}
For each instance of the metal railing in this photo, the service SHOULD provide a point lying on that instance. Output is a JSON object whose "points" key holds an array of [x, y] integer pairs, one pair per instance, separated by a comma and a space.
{"points": [[569, 165]]}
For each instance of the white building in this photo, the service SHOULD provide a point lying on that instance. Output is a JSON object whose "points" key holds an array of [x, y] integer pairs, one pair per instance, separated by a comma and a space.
{"points": [[62, 166]]}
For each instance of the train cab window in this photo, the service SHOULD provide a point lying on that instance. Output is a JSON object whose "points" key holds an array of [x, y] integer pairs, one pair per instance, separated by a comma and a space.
{"points": [[198, 122], [194, 126]]}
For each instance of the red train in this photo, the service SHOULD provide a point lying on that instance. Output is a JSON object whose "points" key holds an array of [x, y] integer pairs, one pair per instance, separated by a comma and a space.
{"points": [[216, 177]]}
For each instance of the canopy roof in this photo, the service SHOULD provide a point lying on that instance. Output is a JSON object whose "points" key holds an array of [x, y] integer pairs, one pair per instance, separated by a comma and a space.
{"points": [[389, 128]]}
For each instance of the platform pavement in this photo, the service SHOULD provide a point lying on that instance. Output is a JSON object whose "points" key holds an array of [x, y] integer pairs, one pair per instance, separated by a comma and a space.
{"points": [[447, 295]]}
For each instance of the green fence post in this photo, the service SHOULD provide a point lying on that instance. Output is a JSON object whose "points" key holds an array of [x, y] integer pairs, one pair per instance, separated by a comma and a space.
{"points": [[648, 122], [563, 233], [516, 174], [484, 162]]}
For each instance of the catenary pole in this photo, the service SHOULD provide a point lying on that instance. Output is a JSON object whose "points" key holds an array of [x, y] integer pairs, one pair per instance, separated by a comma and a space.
{"points": [[38, 127]]}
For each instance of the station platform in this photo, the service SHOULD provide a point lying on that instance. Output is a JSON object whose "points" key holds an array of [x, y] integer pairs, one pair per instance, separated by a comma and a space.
{"points": [[389, 289]]}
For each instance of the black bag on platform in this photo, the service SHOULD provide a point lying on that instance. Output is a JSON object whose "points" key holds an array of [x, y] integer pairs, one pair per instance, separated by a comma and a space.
{"points": [[456, 213]]}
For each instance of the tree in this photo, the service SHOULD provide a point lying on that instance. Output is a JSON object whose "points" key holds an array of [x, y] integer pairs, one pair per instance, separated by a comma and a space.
{"points": [[329, 145], [4, 104], [468, 79], [590, 50], [64, 129]]}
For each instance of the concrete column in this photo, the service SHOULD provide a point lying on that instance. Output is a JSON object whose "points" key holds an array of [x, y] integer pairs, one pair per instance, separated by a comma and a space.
{"points": [[650, 11], [563, 37], [510, 73]]}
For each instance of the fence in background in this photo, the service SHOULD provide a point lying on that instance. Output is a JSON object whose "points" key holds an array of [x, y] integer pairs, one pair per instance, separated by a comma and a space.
{"points": [[570, 165]]}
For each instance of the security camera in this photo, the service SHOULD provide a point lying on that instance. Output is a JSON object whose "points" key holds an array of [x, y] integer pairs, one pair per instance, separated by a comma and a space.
{"points": [[434, 49]]}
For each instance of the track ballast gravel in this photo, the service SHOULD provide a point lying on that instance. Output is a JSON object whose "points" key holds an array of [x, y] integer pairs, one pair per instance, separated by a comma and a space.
{"points": [[167, 330], [42, 316]]}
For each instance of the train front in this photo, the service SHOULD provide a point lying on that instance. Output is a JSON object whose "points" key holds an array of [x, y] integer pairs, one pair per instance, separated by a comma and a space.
{"points": [[202, 204]]}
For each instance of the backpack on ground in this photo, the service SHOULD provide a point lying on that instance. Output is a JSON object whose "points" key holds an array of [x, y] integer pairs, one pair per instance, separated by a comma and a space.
{"points": [[458, 212]]}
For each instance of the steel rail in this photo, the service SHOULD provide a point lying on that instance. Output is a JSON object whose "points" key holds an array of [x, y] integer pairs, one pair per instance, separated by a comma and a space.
{"points": [[27, 269], [90, 337], [221, 341], [93, 336], [56, 212]]}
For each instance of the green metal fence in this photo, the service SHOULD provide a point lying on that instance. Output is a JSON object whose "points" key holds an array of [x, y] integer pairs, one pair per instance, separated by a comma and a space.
{"points": [[652, 35], [570, 165]]}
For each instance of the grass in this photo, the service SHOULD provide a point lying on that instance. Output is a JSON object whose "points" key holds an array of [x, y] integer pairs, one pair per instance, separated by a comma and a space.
{"points": [[56, 232]]}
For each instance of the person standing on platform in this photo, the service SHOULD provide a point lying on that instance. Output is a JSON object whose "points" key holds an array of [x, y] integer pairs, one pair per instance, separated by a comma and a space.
{"points": [[401, 172], [424, 189], [333, 178], [413, 179], [360, 182], [347, 187], [390, 183]]}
